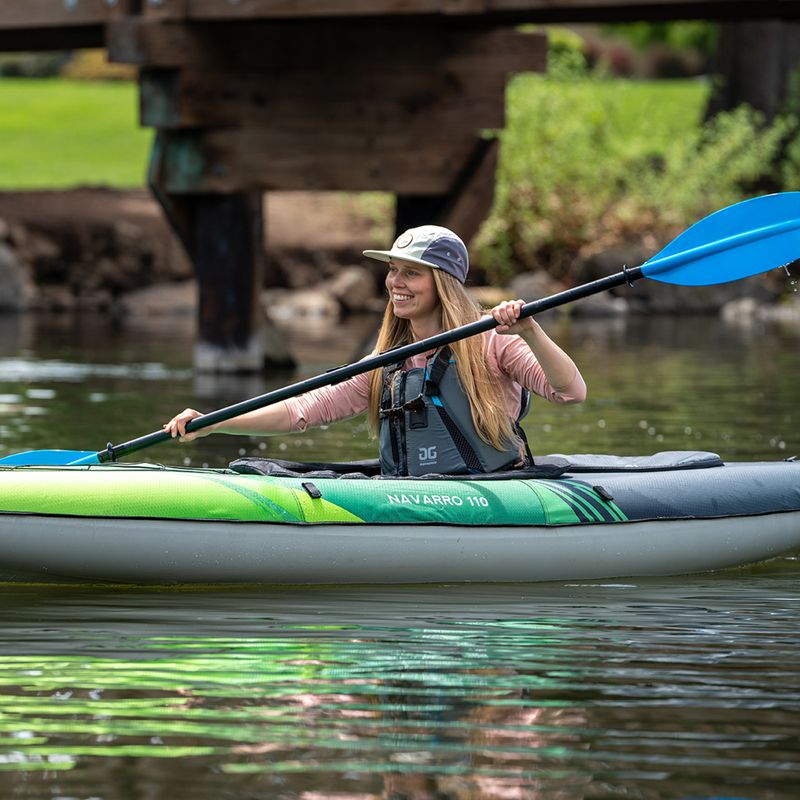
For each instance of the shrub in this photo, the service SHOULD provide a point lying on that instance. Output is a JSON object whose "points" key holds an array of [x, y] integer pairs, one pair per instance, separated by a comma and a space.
{"points": [[93, 65], [596, 163]]}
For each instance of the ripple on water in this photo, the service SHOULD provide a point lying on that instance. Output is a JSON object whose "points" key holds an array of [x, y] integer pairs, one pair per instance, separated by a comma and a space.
{"points": [[649, 689]]}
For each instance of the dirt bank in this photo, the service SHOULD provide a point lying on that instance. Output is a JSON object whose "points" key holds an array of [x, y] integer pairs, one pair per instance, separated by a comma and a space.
{"points": [[90, 245]]}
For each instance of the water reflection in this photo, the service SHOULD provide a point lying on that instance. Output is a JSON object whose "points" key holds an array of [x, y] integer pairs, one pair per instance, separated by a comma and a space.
{"points": [[653, 689]]}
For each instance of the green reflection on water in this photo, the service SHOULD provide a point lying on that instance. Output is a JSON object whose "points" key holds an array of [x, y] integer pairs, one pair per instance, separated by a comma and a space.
{"points": [[336, 688]]}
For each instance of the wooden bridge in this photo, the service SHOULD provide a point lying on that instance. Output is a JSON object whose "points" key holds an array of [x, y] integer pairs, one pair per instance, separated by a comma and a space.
{"points": [[252, 96]]}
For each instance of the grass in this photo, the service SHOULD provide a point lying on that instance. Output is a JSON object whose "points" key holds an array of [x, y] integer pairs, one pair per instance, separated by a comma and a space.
{"points": [[57, 134]]}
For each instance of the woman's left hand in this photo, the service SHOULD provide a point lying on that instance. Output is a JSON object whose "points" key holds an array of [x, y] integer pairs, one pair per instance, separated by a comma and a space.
{"points": [[507, 316]]}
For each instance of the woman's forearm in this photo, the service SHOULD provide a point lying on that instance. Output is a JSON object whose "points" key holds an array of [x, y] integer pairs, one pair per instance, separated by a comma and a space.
{"points": [[272, 419], [557, 366]]}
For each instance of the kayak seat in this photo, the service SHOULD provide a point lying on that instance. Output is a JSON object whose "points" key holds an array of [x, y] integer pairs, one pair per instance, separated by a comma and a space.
{"points": [[371, 469]]}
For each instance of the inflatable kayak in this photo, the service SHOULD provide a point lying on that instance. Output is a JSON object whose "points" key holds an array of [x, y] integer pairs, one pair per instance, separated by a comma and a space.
{"points": [[571, 517]]}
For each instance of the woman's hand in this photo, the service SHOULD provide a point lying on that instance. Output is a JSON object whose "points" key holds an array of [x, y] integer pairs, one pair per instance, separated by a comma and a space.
{"points": [[507, 315], [176, 427]]}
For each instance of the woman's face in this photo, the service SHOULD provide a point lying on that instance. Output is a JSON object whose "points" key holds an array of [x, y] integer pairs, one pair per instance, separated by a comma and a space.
{"points": [[412, 291]]}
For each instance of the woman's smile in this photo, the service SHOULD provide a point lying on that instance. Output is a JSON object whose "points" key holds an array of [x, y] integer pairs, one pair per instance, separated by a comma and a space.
{"points": [[412, 290]]}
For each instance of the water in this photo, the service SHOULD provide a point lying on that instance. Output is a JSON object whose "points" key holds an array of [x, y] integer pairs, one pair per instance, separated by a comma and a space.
{"points": [[661, 688]]}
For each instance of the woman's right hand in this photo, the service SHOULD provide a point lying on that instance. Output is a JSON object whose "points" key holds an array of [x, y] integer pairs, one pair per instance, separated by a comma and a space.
{"points": [[176, 427]]}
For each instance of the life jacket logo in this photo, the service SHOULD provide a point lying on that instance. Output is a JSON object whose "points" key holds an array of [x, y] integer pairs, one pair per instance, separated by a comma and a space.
{"points": [[427, 455]]}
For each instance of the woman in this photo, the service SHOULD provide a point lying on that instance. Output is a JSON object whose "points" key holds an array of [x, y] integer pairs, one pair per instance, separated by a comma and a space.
{"points": [[450, 411]]}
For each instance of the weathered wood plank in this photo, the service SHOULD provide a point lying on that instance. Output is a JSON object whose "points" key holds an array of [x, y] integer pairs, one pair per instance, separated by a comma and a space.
{"points": [[471, 197], [220, 161], [277, 9], [533, 9], [324, 74], [368, 100], [22, 14], [68, 37], [287, 47]]}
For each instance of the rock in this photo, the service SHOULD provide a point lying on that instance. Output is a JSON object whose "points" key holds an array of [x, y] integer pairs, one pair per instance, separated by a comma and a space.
{"points": [[786, 313], [353, 288], [653, 297], [159, 300], [488, 296], [17, 291], [301, 306], [55, 298], [530, 286], [599, 306], [742, 311]]}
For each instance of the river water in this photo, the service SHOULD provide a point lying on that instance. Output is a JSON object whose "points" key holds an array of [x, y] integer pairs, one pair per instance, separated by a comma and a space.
{"points": [[660, 688]]}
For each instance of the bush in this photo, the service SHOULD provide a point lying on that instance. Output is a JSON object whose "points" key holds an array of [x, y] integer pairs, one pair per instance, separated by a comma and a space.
{"points": [[31, 65], [93, 65], [591, 164]]}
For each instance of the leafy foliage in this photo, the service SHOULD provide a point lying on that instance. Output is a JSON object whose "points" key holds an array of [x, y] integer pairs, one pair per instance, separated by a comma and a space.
{"points": [[591, 163]]}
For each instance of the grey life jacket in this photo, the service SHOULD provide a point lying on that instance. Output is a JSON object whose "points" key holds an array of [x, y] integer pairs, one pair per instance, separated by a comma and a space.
{"points": [[426, 424]]}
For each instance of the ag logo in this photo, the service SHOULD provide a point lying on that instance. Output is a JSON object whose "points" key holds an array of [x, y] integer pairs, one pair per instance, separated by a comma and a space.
{"points": [[427, 455], [404, 240]]}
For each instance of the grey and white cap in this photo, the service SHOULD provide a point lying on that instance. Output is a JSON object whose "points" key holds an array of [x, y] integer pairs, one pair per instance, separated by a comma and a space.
{"points": [[432, 246]]}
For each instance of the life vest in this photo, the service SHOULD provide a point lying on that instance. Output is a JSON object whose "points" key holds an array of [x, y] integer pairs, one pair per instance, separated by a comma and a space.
{"points": [[426, 426]]}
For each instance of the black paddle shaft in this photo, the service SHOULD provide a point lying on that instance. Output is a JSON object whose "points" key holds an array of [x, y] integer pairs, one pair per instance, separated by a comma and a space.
{"points": [[393, 356]]}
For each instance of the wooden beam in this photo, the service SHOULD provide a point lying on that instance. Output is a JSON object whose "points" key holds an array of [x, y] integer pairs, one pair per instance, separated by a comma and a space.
{"points": [[74, 37], [265, 159], [466, 204], [520, 10], [328, 45], [24, 14], [368, 100], [472, 195]]}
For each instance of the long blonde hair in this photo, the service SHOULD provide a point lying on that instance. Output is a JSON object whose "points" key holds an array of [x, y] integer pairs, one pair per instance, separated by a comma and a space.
{"points": [[489, 414]]}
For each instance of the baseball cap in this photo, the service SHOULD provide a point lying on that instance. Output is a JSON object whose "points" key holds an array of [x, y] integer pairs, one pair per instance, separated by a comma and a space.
{"points": [[432, 246]]}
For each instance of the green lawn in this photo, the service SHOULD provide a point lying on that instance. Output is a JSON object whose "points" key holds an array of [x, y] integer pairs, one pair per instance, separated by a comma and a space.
{"points": [[56, 134]]}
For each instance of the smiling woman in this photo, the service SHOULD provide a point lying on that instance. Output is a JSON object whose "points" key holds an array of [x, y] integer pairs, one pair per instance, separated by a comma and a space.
{"points": [[430, 417]]}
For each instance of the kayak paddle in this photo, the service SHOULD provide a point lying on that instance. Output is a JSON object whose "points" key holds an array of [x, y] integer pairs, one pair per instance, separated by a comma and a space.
{"points": [[744, 239]]}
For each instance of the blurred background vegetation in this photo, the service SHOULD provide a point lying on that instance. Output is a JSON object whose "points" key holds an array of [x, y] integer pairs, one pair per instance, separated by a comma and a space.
{"points": [[612, 145]]}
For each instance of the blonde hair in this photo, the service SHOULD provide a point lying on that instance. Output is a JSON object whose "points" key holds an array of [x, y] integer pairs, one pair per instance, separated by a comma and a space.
{"points": [[489, 414]]}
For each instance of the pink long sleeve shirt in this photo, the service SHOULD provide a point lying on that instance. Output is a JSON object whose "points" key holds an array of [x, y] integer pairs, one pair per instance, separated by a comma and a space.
{"points": [[509, 359]]}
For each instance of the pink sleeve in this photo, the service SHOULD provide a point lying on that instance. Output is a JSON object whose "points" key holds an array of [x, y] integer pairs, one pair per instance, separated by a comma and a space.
{"points": [[329, 403], [515, 358]]}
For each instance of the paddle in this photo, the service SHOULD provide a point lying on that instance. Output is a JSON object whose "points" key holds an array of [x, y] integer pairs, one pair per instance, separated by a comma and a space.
{"points": [[744, 239]]}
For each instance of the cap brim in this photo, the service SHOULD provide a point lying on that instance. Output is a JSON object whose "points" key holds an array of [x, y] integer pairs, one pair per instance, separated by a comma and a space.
{"points": [[385, 255]]}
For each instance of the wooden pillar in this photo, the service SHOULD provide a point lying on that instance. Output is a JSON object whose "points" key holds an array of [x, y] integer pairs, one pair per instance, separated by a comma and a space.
{"points": [[467, 203], [223, 235], [227, 249]]}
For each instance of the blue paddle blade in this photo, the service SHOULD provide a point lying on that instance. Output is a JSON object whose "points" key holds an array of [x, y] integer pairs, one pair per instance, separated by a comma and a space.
{"points": [[50, 458], [744, 239]]}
